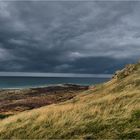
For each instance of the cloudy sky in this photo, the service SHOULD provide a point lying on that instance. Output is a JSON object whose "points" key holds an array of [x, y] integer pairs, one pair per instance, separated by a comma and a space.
{"points": [[68, 37]]}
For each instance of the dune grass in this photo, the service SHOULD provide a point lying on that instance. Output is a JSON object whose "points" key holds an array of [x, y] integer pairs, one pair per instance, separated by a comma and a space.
{"points": [[110, 110]]}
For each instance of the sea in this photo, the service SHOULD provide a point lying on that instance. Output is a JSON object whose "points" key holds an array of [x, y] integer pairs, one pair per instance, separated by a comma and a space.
{"points": [[8, 82]]}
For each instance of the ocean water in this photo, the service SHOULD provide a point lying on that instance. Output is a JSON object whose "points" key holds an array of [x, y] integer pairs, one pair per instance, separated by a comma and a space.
{"points": [[27, 82]]}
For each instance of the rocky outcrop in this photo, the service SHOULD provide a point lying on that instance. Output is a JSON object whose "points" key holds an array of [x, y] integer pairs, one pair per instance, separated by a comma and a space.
{"points": [[129, 69]]}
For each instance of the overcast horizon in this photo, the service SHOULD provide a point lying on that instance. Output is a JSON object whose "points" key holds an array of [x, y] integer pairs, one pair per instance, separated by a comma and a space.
{"points": [[73, 37], [31, 74]]}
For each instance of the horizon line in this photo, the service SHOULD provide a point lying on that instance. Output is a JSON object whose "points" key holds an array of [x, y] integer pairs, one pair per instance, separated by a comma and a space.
{"points": [[39, 74]]}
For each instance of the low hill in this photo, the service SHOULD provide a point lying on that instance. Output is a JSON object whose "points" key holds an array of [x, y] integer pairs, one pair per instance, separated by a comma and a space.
{"points": [[106, 111]]}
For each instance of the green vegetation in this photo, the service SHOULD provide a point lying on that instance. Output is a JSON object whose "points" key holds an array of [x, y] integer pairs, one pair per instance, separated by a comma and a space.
{"points": [[107, 111], [3, 116]]}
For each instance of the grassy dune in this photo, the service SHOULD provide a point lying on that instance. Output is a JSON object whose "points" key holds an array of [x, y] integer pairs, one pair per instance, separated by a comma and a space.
{"points": [[109, 110]]}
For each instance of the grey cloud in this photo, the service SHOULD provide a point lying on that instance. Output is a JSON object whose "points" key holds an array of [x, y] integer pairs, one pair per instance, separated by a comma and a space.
{"points": [[60, 36]]}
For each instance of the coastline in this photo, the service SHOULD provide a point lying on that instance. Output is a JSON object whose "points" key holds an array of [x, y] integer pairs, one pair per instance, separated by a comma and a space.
{"points": [[33, 82], [43, 86], [14, 100]]}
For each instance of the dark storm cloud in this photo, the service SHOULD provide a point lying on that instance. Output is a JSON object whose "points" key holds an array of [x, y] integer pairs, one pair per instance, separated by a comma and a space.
{"points": [[78, 37]]}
